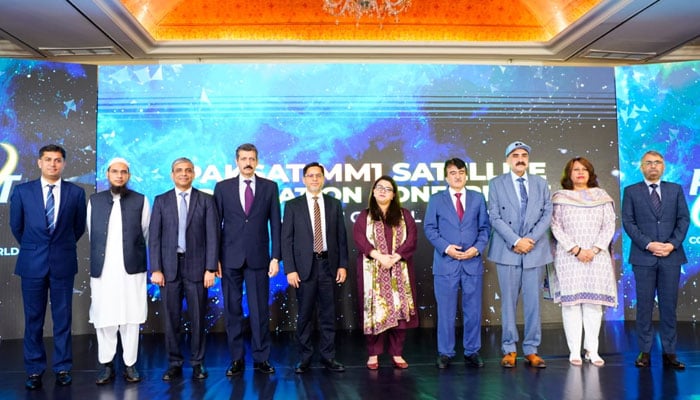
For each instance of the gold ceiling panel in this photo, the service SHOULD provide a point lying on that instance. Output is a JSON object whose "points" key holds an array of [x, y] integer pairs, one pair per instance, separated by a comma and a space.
{"points": [[305, 20]]}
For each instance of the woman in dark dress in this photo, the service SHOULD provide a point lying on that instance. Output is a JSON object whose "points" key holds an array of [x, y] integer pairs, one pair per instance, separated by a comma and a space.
{"points": [[385, 236]]}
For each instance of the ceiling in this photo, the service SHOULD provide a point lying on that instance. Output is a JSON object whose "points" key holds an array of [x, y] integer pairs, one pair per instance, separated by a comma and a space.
{"points": [[588, 32]]}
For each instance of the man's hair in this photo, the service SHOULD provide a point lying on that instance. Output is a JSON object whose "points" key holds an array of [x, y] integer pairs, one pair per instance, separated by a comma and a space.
{"points": [[178, 161], [247, 147], [313, 164], [52, 148], [457, 162], [653, 153]]}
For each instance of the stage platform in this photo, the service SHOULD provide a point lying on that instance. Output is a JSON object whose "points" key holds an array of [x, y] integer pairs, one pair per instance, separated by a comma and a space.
{"points": [[618, 379]]}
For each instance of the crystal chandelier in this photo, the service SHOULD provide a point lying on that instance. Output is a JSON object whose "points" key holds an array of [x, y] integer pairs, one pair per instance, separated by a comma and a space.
{"points": [[359, 8]]}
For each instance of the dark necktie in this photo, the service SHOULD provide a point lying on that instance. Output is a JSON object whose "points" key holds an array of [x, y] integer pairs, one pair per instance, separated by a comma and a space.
{"points": [[655, 199], [182, 224], [50, 207], [523, 200], [318, 232], [248, 196], [460, 207]]}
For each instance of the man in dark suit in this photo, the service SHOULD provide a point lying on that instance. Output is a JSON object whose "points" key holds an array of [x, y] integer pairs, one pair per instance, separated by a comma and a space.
{"points": [[184, 242], [48, 261], [655, 217], [315, 254], [520, 210], [247, 205], [457, 225]]}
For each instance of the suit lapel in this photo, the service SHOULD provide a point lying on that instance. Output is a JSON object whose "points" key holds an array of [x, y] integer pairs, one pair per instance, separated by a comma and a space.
{"points": [[451, 205], [194, 202], [509, 190]]}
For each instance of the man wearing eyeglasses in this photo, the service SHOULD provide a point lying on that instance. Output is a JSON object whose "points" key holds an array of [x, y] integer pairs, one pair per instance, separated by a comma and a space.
{"points": [[655, 217], [315, 254], [457, 225]]}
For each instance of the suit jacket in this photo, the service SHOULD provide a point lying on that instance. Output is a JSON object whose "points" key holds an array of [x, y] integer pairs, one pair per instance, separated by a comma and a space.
{"points": [[41, 253], [504, 213], [443, 227], [202, 236], [644, 226], [246, 239], [298, 236]]}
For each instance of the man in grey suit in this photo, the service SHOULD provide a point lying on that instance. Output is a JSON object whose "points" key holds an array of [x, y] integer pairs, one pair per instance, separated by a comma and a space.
{"points": [[520, 210], [315, 254], [184, 242], [655, 217], [249, 210]]}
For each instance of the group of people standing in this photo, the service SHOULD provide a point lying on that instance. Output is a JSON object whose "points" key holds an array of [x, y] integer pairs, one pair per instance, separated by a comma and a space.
{"points": [[238, 235]]}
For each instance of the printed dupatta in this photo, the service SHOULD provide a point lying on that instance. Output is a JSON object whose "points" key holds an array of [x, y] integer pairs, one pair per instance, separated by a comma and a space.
{"points": [[388, 295]]}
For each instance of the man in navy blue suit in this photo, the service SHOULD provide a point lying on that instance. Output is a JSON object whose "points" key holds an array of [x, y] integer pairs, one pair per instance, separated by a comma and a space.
{"points": [[315, 253], [457, 225], [47, 217], [655, 217], [184, 243], [247, 206]]}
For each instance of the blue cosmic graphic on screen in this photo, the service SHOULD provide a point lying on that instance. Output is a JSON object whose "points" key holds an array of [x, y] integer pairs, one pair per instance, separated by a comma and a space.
{"points": [[658, 110], [340, 114]]}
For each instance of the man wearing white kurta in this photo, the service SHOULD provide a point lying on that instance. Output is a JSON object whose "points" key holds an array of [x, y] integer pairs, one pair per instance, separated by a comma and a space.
{"points": [[118, 228]]}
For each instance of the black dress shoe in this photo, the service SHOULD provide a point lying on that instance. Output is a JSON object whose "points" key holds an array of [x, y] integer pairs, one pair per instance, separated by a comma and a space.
{"points": [[670, 361], [443, 361], [106, 374], [63, 378], [265, 367], [173, 372], [332, 365], [474, 361], [302, 366], [199, 372], [33, 382], [643, 360], [236, 368], [131, 375]]}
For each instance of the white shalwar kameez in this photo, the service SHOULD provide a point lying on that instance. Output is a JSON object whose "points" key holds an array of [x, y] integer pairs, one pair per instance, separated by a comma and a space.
{"points": [[119, 303]]}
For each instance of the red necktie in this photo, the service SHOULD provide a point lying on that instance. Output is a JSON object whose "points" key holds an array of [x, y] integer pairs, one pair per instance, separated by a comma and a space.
{"points": [[460, 207]]}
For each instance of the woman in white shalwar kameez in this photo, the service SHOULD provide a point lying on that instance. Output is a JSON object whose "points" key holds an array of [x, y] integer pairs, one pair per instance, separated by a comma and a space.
{"points": [[583, 223]]}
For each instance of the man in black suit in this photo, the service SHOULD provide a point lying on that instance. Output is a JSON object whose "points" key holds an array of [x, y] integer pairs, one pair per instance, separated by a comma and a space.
{"points": [[315, 254], [184, 244], [656, 218], [47, 217], [247, 205]]}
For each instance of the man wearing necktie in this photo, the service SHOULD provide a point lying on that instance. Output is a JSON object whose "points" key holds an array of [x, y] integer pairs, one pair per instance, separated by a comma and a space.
{"points": [[457, 225], [249, 252], [315, 254], [520, 209], [184, 242], [655, 217], [47, 261]]}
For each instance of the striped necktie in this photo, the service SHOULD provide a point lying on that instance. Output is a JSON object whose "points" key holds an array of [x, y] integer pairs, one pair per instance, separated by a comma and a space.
{"points": [[50, 207]]}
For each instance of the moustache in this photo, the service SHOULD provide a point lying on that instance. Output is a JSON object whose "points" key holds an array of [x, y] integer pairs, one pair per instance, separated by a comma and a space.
{"points": [[520, 163]]}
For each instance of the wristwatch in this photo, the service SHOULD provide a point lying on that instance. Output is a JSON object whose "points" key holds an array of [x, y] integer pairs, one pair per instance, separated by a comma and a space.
{"points": [[596, 250]]}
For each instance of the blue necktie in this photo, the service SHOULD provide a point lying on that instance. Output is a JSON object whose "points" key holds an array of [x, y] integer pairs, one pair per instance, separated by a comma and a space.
{"points": [[50, 207], [248, 196], [655, 199], [182, 224], [523, 201]]}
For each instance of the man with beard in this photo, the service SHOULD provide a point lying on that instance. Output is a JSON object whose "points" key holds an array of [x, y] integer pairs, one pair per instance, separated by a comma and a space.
{"points": [[656, 218], [247, 205], [520, 210], [118, 229]]}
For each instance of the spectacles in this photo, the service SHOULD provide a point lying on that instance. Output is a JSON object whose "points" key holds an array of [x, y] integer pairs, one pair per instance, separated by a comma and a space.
{"points": [[311, 176], [654, 163], [384, 189]]}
